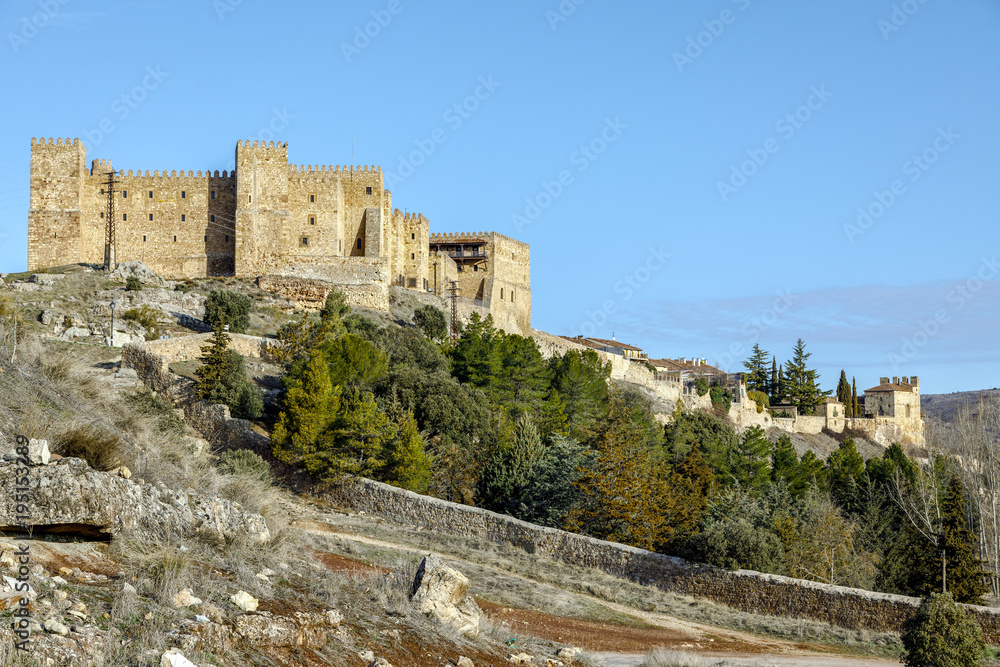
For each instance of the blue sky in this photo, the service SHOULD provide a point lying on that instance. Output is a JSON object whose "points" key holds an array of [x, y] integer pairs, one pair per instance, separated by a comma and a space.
{"points": [[691, 176]]}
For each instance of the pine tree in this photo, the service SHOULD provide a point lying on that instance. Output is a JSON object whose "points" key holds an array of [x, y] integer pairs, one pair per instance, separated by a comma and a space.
{"points": [[750, 464], [784, 461], [801, 382], [310, 405], [756, 366]]}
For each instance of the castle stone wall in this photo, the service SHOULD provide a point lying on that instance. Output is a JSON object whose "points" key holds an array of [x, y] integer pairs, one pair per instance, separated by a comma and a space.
{"points": [[748, 591]]}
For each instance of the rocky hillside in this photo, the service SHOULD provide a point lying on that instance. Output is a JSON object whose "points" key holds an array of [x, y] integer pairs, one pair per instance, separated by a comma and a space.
{"points": [[945, 407]]}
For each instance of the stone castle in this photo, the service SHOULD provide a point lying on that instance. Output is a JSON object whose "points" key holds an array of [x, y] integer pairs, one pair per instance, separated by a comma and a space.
{"points": [[268, 218]]}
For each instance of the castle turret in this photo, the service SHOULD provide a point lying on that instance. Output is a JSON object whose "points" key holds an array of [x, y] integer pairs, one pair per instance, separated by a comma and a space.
{"points": [[54, 220], [261, 206]]}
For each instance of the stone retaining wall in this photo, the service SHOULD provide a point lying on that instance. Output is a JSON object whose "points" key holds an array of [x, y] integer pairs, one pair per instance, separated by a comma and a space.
{"points": [[745, 590]]}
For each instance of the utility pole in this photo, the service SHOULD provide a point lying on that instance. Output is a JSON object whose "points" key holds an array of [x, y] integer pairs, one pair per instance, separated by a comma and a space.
{"points": [[453, 291], [110, 246]]}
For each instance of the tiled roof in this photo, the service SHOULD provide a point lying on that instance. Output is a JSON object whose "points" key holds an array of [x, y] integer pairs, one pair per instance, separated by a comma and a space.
{"points": [[580, 340], [890, 387], [615, 343]]}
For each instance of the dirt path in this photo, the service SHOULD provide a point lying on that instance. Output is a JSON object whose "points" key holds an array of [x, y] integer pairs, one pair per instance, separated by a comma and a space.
{"points": [[633, 660], [626, 645]]}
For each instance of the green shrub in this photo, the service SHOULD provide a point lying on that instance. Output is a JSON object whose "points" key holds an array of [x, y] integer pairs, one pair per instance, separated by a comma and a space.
{"points": [[146, 316], [760, 398], [146, 402], [225, 307], [133, 284], [721, 398], [244, 463], [941, 634], [222, 378], [701, 384], [431, 321], [736, 543]]}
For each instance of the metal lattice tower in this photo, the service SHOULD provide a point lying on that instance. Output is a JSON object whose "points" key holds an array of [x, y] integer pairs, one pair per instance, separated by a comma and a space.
{"points": [[453, 291], [110, 249]]}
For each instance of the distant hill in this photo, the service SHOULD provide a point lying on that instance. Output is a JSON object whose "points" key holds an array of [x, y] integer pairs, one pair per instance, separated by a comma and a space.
{"points": [[944, 407]]}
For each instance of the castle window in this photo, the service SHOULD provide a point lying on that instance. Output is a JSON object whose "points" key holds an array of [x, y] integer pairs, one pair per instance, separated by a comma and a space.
{"points": [[412, 256], [213, 194], [312, 199], [213, 218], [184, 194], [312, 220], [305, 240], [124, 194], [102, 216], [359, 244], [413, 237], [475, 267], [249, 199], [411, 282], [124, 217], [55, 235], [102, 191], [227, 238], [150, 216], [206, 238], [183, 217], [368, 190], [150, 194], [175, 239], [501, 294], [512, 296], [144, 238]]}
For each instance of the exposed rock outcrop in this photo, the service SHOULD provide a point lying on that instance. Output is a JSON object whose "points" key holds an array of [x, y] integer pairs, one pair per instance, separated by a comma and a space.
{"points": [[442, 592], [70, 496], [136, 269]]}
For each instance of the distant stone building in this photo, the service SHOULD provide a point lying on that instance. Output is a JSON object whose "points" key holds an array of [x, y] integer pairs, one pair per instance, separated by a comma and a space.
{"points": [[267, 217]]}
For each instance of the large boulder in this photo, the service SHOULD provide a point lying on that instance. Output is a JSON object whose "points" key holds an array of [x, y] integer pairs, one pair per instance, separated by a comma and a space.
{"points": [[136, 269], [442, 592], [70, 496]]}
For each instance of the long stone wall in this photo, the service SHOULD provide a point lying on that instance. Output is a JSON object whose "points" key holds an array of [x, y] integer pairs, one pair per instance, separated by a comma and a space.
{"points": [[741, 589]]}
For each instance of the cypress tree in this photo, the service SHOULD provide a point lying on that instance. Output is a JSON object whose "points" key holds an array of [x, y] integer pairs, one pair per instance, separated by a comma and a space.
{"points": [[855, 410], [772, 390], [844, 392]]}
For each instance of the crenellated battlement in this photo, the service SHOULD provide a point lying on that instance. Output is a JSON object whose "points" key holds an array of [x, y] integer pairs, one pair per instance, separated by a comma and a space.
{"points": [[208, 173], [55, 142], [460, 236], [261, 144]]}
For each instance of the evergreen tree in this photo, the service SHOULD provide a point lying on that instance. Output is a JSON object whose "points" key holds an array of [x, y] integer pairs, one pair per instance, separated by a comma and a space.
{"points": [[964, 573], [510, 470], [845, 471], [844, 393], [750, 460], [941, 634], [772, 387], [801, 382], [431, 321], [784, 461], [757, 373], [581, 380], [222, 379], [855, 411], [407, 464], [310, 404], [781, 388]]}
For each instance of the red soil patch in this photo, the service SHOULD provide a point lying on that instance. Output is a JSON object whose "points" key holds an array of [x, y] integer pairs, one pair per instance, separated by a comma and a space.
{"points": [[612, 637], [356, 568]]}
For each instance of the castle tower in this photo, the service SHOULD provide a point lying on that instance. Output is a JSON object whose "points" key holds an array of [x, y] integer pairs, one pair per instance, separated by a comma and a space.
{"points": [[54, 220], [261, 207]]}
